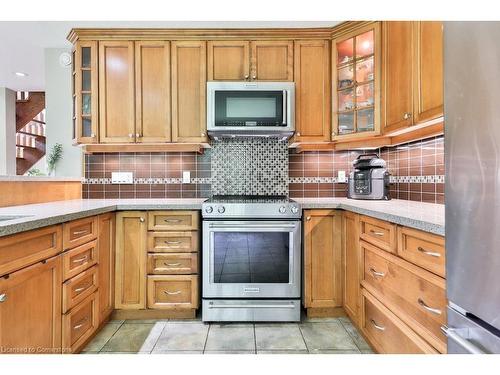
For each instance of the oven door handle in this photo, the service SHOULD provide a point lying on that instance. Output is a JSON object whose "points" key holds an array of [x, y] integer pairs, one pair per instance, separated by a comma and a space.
{"points": [[284, 108], [243, 306], [243, 226]]}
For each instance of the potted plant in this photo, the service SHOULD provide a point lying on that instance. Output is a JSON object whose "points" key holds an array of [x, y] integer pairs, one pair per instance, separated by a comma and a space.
{"points": [[54, 156]]}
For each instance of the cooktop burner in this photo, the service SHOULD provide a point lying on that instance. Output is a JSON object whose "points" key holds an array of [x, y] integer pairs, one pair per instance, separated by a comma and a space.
{"points": [[251, 206]]}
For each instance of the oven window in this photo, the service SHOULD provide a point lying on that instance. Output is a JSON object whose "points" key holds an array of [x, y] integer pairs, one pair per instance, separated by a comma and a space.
{"points": [[242, 257], [250, 107]]}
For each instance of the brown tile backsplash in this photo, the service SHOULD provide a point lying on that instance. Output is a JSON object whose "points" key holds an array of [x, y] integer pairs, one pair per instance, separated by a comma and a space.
{"points": [[417, 173]]}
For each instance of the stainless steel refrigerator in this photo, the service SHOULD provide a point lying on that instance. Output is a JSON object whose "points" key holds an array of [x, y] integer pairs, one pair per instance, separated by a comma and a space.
{"points": [[472, 145]]}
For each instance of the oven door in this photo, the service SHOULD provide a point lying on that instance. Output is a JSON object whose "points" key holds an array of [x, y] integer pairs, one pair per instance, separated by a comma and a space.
{"points": [[251, 259]]}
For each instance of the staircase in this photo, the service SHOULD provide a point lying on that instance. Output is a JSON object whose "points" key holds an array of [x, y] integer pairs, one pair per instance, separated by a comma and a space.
{"points": [[30, 127]]}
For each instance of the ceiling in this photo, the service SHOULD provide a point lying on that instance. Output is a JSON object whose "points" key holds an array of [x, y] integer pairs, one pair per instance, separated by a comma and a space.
{"points": [[22, 44]]}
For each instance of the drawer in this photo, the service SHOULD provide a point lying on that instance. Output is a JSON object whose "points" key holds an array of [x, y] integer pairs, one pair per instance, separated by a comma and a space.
{"points": [[173, 264], [173, 292], [173, 220], [21, 250], [423, 249], [378, 232], [78, 232], [79, 287], [79, 259], [173, 242], [416, 296], [387, 333], [80, 323]]}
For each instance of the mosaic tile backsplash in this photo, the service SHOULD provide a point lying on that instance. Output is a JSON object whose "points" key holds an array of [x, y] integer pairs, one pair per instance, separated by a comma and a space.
{"points": [[417, 171], [250, 167]]}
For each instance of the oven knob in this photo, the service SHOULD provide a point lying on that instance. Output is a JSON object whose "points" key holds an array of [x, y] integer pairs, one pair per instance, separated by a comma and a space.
{"points": [[221, 209], [209, 209], [282, 209], [294, 209]]}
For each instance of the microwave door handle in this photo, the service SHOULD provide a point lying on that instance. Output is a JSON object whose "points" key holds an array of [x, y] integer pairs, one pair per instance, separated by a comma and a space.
{"points": [[284, 108]]}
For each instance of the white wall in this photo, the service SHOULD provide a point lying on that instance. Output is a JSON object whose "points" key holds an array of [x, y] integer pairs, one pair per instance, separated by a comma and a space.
{"points": [[58, 115], [7, 131]]}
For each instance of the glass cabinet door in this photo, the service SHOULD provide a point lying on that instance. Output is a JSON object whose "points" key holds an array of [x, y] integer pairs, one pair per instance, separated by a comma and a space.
{"points": [[85, 92], [356, 65]]}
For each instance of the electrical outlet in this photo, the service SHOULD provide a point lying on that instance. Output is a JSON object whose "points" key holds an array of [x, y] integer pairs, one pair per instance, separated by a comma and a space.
{"points": [[341, 176], [122, 178], [186, 177]]}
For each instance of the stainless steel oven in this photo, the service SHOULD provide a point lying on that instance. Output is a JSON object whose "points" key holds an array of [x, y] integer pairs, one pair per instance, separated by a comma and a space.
{"points": [[250, 108]]}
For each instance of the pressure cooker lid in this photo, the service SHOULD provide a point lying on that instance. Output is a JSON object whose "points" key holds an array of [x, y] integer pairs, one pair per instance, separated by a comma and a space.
{"points": [[366, 161]]}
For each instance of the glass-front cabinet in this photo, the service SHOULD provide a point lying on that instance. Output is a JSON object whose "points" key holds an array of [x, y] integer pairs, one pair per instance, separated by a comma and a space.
{"points": [[356, 91], [85, 92]]}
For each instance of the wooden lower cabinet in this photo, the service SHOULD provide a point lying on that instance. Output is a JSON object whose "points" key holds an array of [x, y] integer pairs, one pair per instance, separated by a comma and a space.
{"points": [[130, 276], [30, 309], [322, 259], [352, 262], [173, 292], [80, 323], [387, 333], [106, 245]]}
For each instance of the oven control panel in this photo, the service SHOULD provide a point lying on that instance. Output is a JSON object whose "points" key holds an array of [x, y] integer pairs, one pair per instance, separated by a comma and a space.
{"points": [[265, 211]]}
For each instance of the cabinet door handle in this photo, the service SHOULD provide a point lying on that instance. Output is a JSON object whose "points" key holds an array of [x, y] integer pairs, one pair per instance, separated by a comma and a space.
{"points": [[428, 308], [92, 135], [430, 253], [246, 76], [80, 260], [172, 242], [298, 134], [3, 297], [172, 220], [203, 134], [142, 220], [80, 323], [254, 76], [308, 218], [172, 293], [406, 116], [376, 273], [137, 135], [78, 232], [172, 264], [376, 233], [130, 135], [374, 323], [79, 290]]}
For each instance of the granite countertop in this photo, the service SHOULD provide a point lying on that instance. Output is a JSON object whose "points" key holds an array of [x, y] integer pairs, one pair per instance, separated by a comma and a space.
{"points": [[428, 217]]}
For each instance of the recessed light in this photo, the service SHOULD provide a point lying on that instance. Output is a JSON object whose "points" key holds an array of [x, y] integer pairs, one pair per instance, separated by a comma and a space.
{"points": [[21, 74]]}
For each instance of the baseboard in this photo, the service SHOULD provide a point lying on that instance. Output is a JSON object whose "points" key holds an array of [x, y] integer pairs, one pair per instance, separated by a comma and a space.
{"points": [[154, 314], [325, 312]]}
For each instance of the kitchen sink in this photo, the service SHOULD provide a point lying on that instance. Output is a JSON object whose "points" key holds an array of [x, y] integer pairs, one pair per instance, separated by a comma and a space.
{"points": [[12, 217]]}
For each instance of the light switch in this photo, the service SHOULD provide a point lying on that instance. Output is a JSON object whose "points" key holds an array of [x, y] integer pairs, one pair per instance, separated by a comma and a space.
{"points": [[122, 178], [341, 176], [186, 177]]}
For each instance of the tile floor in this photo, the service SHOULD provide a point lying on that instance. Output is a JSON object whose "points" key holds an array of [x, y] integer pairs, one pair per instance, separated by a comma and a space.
{"points": [[314, 336]]}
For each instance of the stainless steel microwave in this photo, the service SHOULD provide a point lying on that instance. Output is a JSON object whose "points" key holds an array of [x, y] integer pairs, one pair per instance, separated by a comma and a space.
{"points": [[264, 109]]}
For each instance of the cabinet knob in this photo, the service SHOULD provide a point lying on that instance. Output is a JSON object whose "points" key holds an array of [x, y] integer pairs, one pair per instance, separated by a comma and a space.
{"points": [[3, 297], [92, 135], [254, 76], [130, 135], [137, 135], [202, 134], [298, 134], [406, 116], [246, 76], [308, 218], [142, 220]]}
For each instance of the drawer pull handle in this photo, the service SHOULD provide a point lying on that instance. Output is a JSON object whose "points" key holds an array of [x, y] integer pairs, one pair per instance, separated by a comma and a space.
{"points": [[172, 242], [376, 273], [172, 293], [172, 264], [430, 253], [428, 308], [374, 323], [3, 297], [81, 323], [78, 232], [380, 234], [80, 260], [79, 290], [173, 220]]}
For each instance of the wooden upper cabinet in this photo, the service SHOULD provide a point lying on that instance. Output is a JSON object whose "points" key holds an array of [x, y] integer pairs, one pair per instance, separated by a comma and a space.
{"points": [[152, 91], [397, 74], [272, 60], [189, 77], [356, 83], [322, 259], [228, 60], [85, 92], [116, 91], [30, 309], [429, 71], [312, 90], [131, 256]]}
